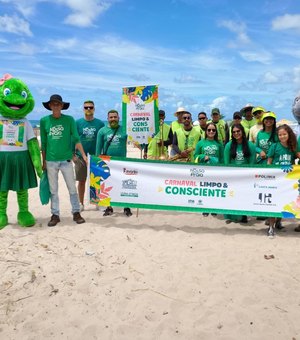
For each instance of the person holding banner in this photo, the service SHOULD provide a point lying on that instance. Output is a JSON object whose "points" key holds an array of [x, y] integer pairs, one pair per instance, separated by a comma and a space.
{"points": [[185, 140], [209, 150], [158, 146], [112, 141], [87, 128], [238, 151], [283, 153]]}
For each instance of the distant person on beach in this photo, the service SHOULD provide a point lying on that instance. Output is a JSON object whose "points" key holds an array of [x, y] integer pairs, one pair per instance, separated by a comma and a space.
{"points": [[178, 124], [257, 113], [87, 128], [158, 146], [202, 119], [283, 152], [58, 131], [185, 140], [221, 125], [248, 120], [112, 141]]}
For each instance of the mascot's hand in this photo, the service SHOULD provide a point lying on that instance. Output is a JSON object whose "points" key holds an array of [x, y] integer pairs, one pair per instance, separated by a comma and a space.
{"points": [[35, 155]]}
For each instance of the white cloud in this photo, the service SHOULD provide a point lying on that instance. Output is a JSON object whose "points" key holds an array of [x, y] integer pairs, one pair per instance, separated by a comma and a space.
{"points": [[14, 25], [25, 7], [84, 12], [261, 56], [239, 28], [287, 21], [270, 78], [188, 78], [65, 44]]}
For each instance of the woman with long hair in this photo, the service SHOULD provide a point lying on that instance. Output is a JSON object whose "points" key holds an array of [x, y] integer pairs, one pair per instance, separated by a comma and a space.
{"points": [[209, 150], [266, 137], [284, 152], [238, 151]]}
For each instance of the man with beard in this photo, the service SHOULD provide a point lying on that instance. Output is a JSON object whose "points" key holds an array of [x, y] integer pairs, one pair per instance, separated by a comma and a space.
{"points": [[112, 141]]}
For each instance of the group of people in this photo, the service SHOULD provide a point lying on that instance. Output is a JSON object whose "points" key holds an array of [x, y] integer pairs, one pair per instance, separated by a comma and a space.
{"points": [[252, 138]]}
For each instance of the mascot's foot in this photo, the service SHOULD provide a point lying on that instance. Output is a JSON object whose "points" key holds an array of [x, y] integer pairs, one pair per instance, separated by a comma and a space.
{"points": [[3, 220], [26, 219]]}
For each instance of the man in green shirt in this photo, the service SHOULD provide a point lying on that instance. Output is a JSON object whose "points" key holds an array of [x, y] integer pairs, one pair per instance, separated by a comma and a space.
{"points": [[87, 128], [58, 131], [112, 141]]}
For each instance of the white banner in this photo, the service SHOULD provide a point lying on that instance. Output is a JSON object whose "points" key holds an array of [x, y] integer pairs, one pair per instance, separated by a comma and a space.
{"points": [[258, 191]]}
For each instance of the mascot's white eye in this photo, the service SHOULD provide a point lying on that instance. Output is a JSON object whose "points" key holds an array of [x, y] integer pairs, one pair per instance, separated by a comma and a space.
{"points": [[24, 94], [6, 91]]}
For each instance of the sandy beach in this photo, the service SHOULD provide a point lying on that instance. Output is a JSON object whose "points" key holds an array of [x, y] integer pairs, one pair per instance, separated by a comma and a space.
{"points": [[155, 275]]}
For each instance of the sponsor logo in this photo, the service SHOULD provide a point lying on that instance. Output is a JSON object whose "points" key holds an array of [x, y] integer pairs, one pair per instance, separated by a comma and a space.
{"points": [[129, 194], [129, 184], [269, 177], [197, 172], [265, 199], [259, 186], [130, 172], [191, 201]]}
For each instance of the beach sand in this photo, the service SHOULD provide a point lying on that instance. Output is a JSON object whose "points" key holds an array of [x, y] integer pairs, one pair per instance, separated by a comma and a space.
{"points": [[155, 275]]}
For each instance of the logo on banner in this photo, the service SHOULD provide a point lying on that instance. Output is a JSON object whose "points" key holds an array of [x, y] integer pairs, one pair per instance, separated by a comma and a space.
{"points": [[129, 184], [268, 177], [130, 172], [196, 172]]}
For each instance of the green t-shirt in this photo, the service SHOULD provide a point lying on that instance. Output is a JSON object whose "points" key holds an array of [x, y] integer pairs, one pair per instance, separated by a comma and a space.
{"points": [[211, 148], [240, 158], [263, 144], [88, 130], [247, 124], [57, 135], [281, 155], [118, 145]]}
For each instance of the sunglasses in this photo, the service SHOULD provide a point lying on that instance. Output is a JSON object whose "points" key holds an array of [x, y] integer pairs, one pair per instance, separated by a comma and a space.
{"points": [[211, 130], [186, 118], [88, 107], [236, 131], [201, 118]]}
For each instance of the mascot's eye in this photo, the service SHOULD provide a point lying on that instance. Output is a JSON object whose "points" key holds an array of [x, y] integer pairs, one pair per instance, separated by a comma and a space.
{"points": [[6, 91], [24, 94]]}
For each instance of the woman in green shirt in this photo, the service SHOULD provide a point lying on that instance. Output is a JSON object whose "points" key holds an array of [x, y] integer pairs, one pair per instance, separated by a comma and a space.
{"points": [[266, 137], [238, 151]]}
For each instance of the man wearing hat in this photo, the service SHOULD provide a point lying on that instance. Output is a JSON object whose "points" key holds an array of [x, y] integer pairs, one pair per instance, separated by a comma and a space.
{"points": [[221, 125], [248, 120], [178, 124], [257, 113], [58, 131]]}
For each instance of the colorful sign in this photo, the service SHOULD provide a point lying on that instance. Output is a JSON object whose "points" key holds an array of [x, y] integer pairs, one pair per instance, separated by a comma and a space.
{"points": [[257, 191], [140, 112]]}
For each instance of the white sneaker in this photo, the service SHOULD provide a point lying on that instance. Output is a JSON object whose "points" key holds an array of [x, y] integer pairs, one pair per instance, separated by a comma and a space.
{"points": [[81, 207]]}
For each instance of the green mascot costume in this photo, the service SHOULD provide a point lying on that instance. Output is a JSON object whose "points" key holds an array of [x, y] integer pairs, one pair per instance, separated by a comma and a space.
{"points": [[19, 148]]}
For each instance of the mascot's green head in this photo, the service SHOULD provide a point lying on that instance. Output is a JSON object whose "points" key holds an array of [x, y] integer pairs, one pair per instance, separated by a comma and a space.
{"points": [[16, 101]]}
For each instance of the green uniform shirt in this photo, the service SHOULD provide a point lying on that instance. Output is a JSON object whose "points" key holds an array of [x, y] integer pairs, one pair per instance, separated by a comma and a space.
{"points": [[247, 124], [281, 155], [57, 135], [240, 158], [263, 144], [118, 145], [88, 130], [211, 148]]}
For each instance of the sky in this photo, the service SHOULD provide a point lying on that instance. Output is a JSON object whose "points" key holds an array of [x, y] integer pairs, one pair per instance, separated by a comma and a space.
{"points": [[201, 53]]}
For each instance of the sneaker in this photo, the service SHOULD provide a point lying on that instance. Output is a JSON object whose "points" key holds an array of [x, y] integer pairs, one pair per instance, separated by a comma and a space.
{"points": [[244, 219], [271, 232], [297, 229], [214, 214], [205, 214], [77, 218], [278, 225], [127, 212], [81, 207], [108, 211], [53, 221]]}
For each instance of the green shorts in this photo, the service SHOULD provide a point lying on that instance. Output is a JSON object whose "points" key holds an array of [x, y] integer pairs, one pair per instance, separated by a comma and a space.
{"points": [[80, 169]]}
